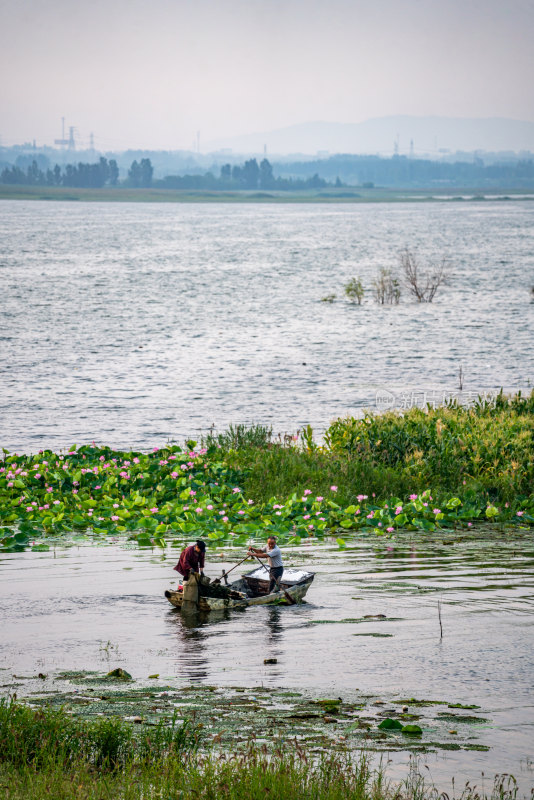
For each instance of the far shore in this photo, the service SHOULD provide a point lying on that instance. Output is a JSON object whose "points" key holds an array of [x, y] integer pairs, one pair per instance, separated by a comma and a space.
{"points": [[334, 195]]}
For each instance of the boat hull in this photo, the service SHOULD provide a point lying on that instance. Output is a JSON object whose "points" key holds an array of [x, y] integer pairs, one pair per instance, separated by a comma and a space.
{"points": [[296, 593]]}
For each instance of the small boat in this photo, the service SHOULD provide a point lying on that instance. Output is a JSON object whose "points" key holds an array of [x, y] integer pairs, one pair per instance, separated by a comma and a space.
{"points": [[250, 590]]}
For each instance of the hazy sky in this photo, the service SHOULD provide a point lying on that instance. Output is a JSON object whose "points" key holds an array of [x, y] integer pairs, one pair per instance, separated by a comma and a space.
{"points": [[150, 73]]}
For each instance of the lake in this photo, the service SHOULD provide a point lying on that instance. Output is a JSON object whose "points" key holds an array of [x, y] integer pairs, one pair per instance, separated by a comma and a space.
{"points": [[134, 323], [97, 608]]}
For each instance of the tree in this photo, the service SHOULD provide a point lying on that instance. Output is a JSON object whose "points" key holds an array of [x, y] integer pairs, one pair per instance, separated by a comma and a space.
{"points": [[251, 174], [386, 288], [134, 174], [226, 172], [147, 171], [267, 180], [113, 172], [423, 285], [354, 290]]}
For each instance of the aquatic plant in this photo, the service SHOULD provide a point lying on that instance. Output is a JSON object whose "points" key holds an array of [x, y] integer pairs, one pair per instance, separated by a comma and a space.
{"points": [[370, 474]]}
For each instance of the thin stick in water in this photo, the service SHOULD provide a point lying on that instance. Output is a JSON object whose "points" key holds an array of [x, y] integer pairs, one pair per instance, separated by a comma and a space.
{"points": [[439, 617]]}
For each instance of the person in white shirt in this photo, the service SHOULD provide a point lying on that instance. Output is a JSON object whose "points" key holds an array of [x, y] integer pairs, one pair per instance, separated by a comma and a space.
{"points": [[273, 553]]}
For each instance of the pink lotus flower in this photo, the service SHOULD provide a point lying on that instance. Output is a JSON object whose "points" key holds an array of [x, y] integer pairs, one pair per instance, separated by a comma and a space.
{"points": [[519, 513], [236, 489], [115, 505], [306, 516], [136, 460], [371, 515], [390, 530], [198, 510], [398, 510], [333, 488], [56, 502], [154, 510], [210, 508], [307, 492], [174, 475], [437, 510], [241, 512], [319, 499], [311, 527], [225, 519], [115, 517], [469, 524], [29, 508]]}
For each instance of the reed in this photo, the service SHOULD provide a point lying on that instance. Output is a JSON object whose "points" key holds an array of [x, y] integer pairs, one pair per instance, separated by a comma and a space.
{"points": [[49, 754]]}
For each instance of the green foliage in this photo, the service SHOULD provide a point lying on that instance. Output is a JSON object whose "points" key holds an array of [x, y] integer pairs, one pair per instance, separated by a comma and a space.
{"points": [[487, 448], [354, 290], [38, 738], [237, 437], [370, 474]]}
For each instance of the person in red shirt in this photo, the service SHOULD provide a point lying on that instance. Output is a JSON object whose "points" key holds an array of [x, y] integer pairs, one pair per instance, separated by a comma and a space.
{"points": [[191, 559]]}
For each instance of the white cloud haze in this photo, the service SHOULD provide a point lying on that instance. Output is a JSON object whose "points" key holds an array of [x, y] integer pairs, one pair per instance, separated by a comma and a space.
{"points": [[143, 73]]}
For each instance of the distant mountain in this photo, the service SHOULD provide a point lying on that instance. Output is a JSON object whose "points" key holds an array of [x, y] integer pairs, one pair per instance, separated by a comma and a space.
{"points": [[430, 136]]}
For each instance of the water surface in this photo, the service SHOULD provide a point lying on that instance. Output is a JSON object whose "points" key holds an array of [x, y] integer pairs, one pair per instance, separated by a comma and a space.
{"points": [[103, 607], [131, 323]]}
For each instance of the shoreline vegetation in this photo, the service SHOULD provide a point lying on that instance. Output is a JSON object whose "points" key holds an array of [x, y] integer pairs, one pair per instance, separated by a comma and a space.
{"points": [[49, 753], [432, 470], [118, 194]]}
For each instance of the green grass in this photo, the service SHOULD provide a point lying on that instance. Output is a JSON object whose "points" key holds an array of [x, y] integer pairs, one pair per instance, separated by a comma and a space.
{"points": [[156, 195], [481, 453], [48, 754]]}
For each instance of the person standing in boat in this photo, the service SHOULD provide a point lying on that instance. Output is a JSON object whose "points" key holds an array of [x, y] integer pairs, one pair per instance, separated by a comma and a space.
{"points": [[273, 553], [192, 559]]}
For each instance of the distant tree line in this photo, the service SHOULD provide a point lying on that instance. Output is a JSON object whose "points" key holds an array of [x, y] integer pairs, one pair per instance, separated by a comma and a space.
{"points": [[340, 170], [249, 176], [79, 175], [401, 171]]}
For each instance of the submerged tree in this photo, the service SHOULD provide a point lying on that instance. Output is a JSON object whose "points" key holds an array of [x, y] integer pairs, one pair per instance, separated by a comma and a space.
{"points": [[423, 284], [354, 290], [386, 287]]}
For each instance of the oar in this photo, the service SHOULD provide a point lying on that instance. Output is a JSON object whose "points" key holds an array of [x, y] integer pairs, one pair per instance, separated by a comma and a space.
{"points": [[280, 588], [225, 574]]}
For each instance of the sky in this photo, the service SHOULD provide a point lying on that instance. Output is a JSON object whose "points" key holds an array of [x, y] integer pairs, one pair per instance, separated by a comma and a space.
{"points": [[151, 73]]}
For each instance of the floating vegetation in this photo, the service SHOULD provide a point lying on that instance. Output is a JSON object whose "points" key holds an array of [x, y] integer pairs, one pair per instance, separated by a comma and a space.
{"points": [[232, 717]]}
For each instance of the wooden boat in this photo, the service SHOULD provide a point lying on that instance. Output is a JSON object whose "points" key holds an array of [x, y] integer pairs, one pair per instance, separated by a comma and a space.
{"points": [[250, 590]]}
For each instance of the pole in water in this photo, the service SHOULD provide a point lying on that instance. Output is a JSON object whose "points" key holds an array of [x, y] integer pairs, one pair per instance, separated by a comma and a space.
{"points": [[439, 617]]}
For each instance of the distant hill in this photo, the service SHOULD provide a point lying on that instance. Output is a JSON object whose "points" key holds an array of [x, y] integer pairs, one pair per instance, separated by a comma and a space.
{"points": [[430, 135]]}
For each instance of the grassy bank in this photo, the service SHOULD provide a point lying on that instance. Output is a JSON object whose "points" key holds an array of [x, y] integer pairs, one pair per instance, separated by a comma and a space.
{"points": [[48, 754], [347, 195], [423, 470], [485, 451]]}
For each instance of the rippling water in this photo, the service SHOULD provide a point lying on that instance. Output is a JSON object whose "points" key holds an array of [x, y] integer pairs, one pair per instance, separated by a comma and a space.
{"points": [[131, 323], [98, 608]]}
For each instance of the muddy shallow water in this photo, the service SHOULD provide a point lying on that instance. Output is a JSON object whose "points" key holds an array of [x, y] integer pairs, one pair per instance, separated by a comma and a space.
{"points": [[96, 608]]}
